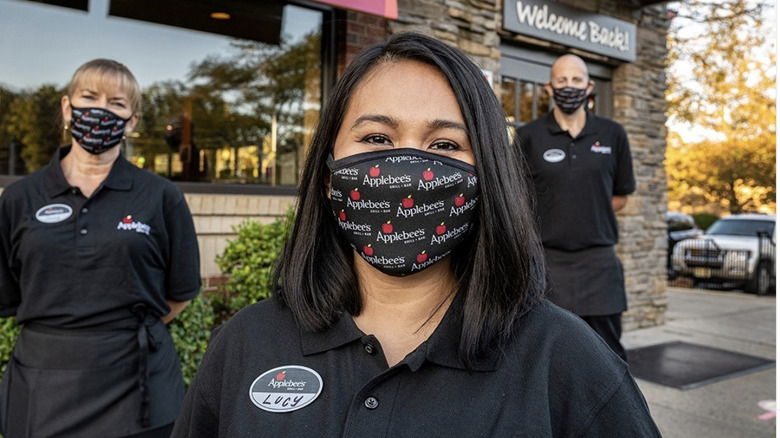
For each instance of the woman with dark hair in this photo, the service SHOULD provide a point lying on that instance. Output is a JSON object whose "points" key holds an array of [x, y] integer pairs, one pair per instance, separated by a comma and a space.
{"points": [[409, 297]]}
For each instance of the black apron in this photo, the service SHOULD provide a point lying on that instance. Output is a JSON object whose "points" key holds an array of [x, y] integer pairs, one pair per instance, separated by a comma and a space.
{"points": [[104, 382], [588, 282]]}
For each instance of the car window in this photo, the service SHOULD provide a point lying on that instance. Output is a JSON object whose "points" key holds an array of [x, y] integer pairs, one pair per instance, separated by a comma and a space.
{"points": [[737, 227]]}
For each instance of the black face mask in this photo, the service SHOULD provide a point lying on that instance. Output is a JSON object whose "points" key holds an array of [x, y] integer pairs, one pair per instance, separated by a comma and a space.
{"points": [[96, 129], [569, 99], [403, 210]]}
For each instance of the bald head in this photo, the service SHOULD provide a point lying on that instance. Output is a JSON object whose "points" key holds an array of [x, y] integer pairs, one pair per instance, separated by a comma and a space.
{"points": [[569, 71]]}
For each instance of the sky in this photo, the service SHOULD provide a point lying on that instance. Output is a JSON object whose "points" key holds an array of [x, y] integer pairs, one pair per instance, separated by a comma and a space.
{"points": [[46, 44]]}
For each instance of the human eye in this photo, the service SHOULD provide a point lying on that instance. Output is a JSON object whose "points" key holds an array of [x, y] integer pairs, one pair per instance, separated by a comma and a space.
{"points": [[376, 139], [445, 146]]}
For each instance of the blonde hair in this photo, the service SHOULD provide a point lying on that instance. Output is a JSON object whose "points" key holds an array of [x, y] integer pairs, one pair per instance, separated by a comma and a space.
{"points": [[105, 73]]}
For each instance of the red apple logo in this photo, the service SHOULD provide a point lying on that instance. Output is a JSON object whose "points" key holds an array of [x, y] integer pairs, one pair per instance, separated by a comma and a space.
{"points": [[422, 257], [441, 229], [342, 216], [428, 174], [374, 172], [407, 202], [280, 376], [367, 250], [127, 219], [387, 228], [460, 200], [355, 195]]}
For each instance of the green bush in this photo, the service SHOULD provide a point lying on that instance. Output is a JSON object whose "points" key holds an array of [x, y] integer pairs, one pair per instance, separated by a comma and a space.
{"points": [[248, 263], [190, 331], [704, 220], [9, 330]]}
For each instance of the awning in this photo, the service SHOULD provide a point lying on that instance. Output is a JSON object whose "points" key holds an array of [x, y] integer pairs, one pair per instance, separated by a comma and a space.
{"points": [[383, 8]]}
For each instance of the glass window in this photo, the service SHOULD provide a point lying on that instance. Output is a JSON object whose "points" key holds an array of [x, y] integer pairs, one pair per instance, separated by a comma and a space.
{"points": [[509, 98], [523, 101], [231, 93]]}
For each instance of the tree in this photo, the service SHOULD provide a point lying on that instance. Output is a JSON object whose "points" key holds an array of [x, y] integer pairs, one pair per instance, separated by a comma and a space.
{"points": [[721, 81], [35, 121]]}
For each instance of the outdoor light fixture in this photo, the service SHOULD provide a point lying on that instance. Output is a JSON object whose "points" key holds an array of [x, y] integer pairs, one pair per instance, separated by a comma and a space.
{"points": [[220, 15]]}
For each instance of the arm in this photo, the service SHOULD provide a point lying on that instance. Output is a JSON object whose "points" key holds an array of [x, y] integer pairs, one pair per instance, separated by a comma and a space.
{"points": [[618, 202], [10, 292], [176, 309]]}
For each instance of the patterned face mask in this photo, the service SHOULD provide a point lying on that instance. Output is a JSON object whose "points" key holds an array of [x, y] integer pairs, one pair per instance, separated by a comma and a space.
{"points": [[569, 99], [96, 129], [403, 210]]}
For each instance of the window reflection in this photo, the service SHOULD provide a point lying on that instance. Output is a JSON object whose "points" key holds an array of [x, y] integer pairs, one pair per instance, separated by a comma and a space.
{"points": [[216, 108]]}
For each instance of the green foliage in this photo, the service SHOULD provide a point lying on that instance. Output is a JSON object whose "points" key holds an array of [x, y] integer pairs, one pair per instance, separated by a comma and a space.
{"points": [[704, 220], [9, 330], [35, 120], [190, 332], [249, 261]]}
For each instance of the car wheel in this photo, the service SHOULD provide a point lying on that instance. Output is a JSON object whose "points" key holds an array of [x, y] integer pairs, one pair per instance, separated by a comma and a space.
{"points": [[759, 285]]}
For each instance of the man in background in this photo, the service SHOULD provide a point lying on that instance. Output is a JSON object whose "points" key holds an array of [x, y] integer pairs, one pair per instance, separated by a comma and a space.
{"points": [[582, 170]]}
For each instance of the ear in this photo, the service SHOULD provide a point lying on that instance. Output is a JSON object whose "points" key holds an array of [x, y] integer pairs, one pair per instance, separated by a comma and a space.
{"points": [[549, 89], [591, 85], [67, 113], [132, 123]]}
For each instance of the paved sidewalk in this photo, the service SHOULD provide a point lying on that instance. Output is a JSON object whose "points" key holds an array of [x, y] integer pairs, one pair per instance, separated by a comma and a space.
{"points": [[731, 321]]}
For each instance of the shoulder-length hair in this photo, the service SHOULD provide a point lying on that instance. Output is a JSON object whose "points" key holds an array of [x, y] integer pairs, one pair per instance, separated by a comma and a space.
{"points": [[500, 269]]}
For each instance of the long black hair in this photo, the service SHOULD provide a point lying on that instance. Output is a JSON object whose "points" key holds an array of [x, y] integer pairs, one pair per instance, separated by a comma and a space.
{"points": [[500, 270]]}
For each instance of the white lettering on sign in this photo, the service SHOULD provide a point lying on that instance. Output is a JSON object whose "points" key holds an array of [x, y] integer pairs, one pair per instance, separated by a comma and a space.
{"points": [[540, 18]]}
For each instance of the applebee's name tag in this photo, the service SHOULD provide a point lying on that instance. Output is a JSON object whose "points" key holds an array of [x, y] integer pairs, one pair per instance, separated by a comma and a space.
{"points": [[286, 388]]}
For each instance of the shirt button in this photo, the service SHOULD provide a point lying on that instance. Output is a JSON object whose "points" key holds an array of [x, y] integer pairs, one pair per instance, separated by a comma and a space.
{"points": [[83, 231], [74, 191], [371, 403], [369, 348], [84, 210], [574, 156]]}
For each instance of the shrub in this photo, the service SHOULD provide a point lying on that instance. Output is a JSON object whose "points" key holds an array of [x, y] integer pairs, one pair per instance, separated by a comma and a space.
{"points": [[190, 331], [9, 330], [248, 262]]}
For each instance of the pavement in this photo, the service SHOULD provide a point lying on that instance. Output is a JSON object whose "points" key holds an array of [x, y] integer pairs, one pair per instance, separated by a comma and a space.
{"points": [[729, 320]]}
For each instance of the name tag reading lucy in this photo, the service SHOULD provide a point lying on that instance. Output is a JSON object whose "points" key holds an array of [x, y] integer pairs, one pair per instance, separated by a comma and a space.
{"points": [[286, 388]]}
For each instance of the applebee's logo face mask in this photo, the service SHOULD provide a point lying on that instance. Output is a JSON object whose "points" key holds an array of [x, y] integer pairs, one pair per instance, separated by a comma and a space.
{"points": [[96, 129], [403, 210], [569, 99]]}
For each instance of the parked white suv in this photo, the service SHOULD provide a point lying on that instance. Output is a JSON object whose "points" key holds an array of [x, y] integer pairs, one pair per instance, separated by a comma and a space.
{"points": [[737, 249]]}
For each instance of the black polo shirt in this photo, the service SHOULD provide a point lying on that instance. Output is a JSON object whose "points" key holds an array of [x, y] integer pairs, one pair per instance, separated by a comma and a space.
{"points": [[575, 180], [556, 379], [71, 261]]}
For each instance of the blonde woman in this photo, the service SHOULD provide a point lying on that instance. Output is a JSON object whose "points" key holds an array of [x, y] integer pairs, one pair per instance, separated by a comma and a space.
{"points": [[96, 255]]}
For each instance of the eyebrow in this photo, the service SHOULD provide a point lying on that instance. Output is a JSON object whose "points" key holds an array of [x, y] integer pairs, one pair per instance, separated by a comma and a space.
{"points": [[393, 123], [94, 92], [384, 120]]}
